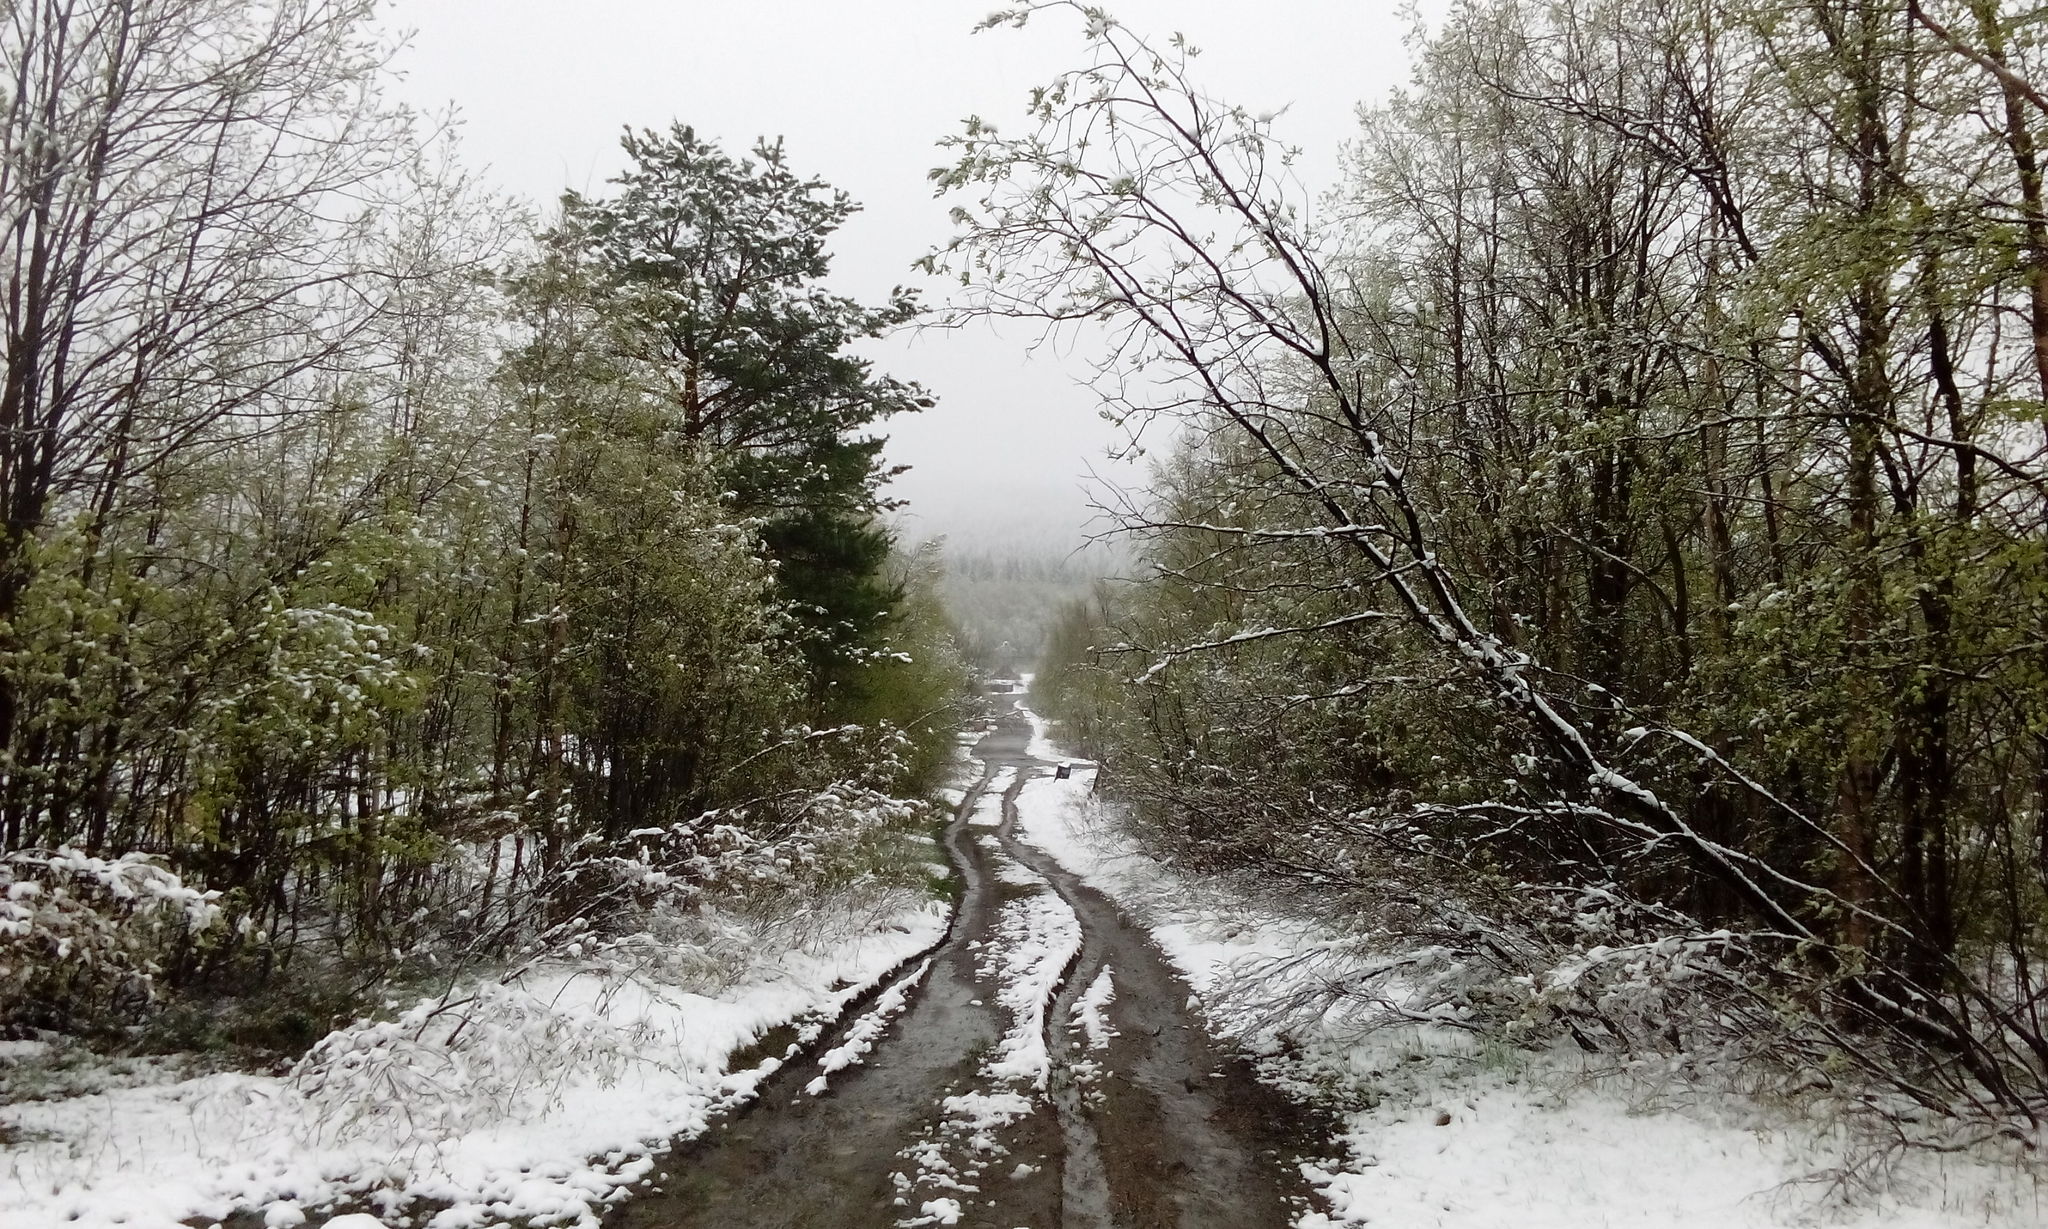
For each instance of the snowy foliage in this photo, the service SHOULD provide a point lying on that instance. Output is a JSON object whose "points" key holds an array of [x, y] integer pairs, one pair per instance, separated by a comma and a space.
{"points": [[445, 1065], [744, 853], [689, 905], [1448, 1123], [84, 934], [1464, 596]]}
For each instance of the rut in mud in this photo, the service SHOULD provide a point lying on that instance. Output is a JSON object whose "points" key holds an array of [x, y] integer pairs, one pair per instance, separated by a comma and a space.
{"points": [[1116, 1109]]}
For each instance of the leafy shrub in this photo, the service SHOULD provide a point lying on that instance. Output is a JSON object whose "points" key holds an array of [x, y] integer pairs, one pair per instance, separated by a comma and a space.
{"points": [[82, 938]]}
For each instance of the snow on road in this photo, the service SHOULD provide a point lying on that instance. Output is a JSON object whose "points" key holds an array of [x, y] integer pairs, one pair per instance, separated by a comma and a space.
{"points": [[988, 808], [1444, 1132], [1091, 1010], [1036, 937], [955, 1152], [862, 1034]]}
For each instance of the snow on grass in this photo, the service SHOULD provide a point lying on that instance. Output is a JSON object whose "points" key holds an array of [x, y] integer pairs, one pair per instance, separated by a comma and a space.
{"points": [[518, 1131], [864, 1032], [1527, 1140], [1532, 1155], [1465, 1137]]}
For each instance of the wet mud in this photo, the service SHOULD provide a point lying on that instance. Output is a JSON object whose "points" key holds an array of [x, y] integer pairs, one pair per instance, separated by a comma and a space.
{"points": [[1164, 1127]]}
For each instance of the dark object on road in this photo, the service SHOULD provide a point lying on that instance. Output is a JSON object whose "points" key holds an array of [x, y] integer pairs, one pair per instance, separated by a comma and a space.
{"points": [[1063, 771]]}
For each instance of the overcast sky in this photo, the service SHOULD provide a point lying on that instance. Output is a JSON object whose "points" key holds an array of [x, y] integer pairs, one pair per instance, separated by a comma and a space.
{"points": [[861, 90]]}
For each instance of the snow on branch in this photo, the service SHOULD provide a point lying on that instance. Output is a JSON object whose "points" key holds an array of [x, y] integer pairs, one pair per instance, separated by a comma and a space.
{"points": [[1255, 635]]}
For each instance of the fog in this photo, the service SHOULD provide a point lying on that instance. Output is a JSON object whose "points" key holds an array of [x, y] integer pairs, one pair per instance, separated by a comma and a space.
{"points": [[861, 92]]}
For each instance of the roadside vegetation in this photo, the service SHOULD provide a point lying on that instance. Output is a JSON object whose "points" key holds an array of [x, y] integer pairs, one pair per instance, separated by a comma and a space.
{"points": [[396, 591], [1604, 566], [461, 695]]}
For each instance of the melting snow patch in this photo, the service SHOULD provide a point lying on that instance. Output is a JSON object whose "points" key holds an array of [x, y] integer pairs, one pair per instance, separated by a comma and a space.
{"points": [[1036, 938], [862, 1035], [938, 1212], [988, 808], [1091, 1011], [970, 1129], [1040, 746], [979, 1115], [1015, 873]]}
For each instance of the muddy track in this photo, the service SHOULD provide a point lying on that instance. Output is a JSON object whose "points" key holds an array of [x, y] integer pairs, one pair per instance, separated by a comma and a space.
{"points": [[1159, 1127]]}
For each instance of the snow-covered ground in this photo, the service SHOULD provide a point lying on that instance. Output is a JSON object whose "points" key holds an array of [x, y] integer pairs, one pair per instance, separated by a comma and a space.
{"points": [[1441, 1131], [561, 1091]]}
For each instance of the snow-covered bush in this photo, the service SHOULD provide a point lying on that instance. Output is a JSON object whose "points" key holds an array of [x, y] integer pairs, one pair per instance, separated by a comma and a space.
{"points": [[732, 855], [688, 904], [694, 905], [1524, 963], [82, 937], [493, 1051]]}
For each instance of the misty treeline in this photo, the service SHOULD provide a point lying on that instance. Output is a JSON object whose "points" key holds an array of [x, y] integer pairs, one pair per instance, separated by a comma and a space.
{"points": [[1605, 561], [389, 583], [1004, 599]]}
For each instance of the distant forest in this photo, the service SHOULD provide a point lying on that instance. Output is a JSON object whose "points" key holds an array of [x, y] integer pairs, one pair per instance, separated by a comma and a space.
{"points": [[1005, 601]]}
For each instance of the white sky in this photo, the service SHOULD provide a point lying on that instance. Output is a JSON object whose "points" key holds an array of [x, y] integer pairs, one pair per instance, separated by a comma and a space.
{"points": [[861, 90]]}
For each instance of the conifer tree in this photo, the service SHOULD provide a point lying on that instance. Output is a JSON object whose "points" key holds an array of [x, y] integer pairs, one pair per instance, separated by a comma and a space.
{"points": [[714, 266]]}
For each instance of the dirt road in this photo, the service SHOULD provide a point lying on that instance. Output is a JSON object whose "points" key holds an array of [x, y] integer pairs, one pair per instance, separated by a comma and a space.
{"points": [[978, 1102]]}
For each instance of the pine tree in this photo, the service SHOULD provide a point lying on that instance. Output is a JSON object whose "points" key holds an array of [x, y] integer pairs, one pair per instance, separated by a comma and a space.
{"points": [[713, 267]]}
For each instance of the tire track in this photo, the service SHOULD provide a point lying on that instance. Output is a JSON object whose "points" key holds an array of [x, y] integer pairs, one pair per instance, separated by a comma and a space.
{"points": [[790, 1160], [1184, 1134], [1160, 1126], [1084, 1182]]}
